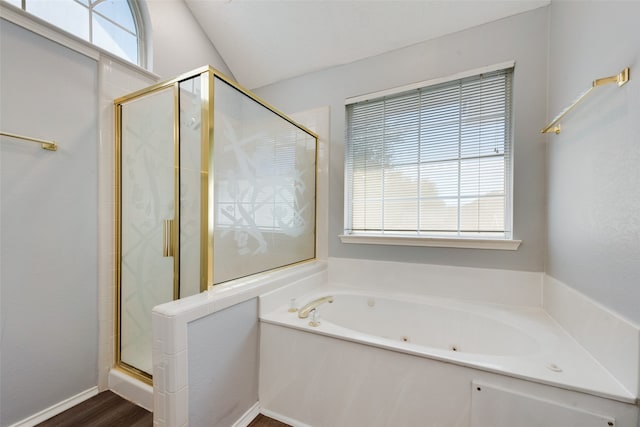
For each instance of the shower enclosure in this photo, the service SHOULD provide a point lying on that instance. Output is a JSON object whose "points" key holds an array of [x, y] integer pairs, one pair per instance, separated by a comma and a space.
{"points": [[212, 184]]}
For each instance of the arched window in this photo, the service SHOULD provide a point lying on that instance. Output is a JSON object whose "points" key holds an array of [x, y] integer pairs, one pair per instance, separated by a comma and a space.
{"points": [[114, 25]]}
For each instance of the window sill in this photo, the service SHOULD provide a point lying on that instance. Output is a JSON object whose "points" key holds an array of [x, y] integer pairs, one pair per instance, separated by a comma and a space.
{"points": [[439, 242]]}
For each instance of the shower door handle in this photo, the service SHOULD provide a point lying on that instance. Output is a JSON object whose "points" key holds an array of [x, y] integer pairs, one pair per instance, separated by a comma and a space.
{"points": [[167, 238]]}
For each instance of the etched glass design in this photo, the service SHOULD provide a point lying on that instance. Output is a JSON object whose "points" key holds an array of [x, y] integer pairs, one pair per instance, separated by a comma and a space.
{"points": [[263, 199], [147, 201], [190, 185], [247, 206]]}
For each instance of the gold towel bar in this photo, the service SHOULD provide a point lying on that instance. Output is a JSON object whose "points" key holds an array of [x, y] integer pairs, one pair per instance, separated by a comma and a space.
{"points": [[46, 145], [620, 79]]}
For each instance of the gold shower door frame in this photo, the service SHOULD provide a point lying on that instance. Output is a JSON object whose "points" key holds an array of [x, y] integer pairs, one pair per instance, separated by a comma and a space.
{"points": [[207, 75], [170, 247]]}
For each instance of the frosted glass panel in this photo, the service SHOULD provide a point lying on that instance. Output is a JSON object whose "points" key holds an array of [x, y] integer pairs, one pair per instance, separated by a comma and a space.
{"points": [[264, 188], [235, 180], [147, 200], [190, 166]]}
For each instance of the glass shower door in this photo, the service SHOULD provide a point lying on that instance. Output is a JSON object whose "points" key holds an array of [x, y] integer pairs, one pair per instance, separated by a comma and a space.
{"points": [[148, 221], [236, 180]]}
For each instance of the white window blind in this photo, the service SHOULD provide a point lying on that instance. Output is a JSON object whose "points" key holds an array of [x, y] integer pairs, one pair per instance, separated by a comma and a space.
{"points": [[433, 161]]}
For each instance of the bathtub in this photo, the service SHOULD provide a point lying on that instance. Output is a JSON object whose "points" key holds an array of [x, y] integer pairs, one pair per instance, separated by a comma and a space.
{"points": [[519, 347]]}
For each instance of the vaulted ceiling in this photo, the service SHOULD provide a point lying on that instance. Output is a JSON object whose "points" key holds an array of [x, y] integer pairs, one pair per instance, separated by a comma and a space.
{"points": [[265, 41]]}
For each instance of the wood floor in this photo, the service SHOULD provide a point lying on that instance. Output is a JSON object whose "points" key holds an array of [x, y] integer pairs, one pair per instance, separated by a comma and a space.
{"points": [[107, 409], [264, 421]]}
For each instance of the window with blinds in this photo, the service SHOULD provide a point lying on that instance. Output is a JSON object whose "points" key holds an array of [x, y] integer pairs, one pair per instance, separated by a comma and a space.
{"points": [[433, 161]]}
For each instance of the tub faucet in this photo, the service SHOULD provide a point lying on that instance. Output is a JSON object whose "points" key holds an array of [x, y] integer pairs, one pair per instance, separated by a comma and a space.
{"points": [[303, 313]]}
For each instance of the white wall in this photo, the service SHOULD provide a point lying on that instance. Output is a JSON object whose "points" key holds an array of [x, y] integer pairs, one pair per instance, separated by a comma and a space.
{"points": [[593, 165], [223, 365], [522, 38], [179, 44], [48, 224]]}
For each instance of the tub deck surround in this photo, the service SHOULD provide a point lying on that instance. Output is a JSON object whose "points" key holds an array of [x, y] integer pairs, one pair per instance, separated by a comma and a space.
{"points": [[520, 342], [522, 288], [612, 340], [315, 380], [315, 370]]}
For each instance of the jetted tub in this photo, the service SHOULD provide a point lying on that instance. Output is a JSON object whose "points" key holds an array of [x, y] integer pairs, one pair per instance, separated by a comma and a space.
{"points": [[520, 342]]}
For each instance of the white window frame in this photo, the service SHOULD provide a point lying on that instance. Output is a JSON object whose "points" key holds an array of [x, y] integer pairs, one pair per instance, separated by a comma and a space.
{"points": [[138, 20], [387, 238]]}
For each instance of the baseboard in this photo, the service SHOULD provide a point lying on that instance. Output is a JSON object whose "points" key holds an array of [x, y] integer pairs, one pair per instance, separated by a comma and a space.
{"points": [[283, 419], [248, 416], [56, 409]]}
